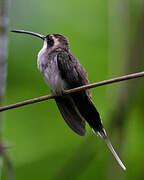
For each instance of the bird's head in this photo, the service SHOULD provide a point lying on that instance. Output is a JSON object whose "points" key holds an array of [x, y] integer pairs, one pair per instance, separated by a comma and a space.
{"points": [[51, 41], [56, 40]]}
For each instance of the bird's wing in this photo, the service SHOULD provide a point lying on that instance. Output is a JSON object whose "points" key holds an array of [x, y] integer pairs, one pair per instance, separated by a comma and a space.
{"points": [[71, 70], [66, 105], [71, 115], [75, 75]]}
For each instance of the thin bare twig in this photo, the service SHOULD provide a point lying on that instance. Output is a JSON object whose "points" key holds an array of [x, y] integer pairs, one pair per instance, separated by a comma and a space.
{"points": [[50, 96]]}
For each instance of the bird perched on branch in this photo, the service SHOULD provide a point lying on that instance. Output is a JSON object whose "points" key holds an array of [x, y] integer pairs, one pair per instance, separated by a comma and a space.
{"points": [[62, 71]]}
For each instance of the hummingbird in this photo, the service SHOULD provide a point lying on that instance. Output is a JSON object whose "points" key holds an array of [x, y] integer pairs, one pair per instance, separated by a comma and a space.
{"points": [[62, 71]]}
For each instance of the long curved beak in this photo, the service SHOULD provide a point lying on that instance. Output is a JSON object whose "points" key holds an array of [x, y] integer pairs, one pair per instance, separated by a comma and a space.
{"points": [[29, 32]]}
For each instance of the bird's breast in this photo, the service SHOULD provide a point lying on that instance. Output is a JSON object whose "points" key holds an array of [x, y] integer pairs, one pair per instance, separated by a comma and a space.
{"points": [[48, 66]]}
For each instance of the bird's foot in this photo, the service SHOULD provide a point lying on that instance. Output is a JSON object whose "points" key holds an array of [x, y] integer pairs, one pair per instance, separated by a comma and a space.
{"points": [[59, 93]]}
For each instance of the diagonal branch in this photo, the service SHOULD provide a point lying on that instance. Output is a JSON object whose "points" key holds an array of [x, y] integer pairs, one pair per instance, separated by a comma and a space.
{"points": [[50, 96]]}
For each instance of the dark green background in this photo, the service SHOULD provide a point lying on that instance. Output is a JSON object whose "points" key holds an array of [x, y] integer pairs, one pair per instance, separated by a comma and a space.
{"points": [[42, 146]]}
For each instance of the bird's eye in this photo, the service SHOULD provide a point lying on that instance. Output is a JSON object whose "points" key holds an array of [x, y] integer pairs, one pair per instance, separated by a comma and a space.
{"points": [[50, 40]]}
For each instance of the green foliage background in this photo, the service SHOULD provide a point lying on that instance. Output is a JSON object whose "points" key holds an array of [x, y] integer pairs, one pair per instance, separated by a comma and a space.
{"points": [[42, 146]]}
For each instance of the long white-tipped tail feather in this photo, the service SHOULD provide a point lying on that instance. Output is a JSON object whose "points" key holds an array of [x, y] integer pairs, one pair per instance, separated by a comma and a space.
{"points": [[102, 133], [114, 153], [104, 136]]}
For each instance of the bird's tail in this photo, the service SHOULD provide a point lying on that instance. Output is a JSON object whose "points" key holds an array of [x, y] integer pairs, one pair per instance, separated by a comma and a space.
{"points": [[91, 115], [102, 133]]}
